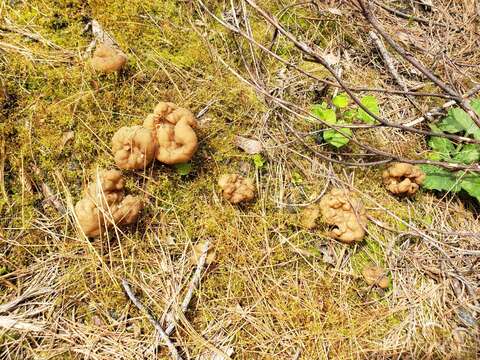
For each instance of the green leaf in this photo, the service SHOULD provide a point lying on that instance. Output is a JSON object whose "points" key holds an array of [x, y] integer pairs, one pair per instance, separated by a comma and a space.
{"points": [[296, 178], [469, 154], [371, 103], [475, 104], [183, 169], [442, 146], [334, 138], [341, 100], [325, 114], [471, 184], [258, 160], [438, 178], [457, 121]]}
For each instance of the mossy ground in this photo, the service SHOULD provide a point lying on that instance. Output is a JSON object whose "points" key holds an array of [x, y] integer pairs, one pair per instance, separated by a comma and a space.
{"points": [[270, 293]]}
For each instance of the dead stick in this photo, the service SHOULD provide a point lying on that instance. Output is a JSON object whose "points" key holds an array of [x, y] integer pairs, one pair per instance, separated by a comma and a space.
{"points": [[446, 105], [161, 334], [389, 62], [192, 287], [415, 63]]}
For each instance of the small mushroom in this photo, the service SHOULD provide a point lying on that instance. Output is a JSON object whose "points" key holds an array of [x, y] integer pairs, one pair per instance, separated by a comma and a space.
{"points": [[104, 204], [108, 59], [133, 147], [403, 179], [309, 216], [343, 210], [236, 188], [174, 129], [375, 275]]}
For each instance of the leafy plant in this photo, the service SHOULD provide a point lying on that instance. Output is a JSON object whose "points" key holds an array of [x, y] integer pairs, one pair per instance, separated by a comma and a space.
{"points": [[459, 122], [183, 169], [258, 161], [341, 113]]}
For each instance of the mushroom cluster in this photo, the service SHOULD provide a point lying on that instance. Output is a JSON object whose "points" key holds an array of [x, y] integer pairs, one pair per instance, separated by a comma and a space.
{"points": [[341, 209], [107, 59], [167, 134], [236, 188], [403, 179], [375, 275], [104, 204]]}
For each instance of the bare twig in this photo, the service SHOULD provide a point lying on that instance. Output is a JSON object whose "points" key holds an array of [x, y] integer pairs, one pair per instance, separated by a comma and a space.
{"points": [[406, 16], [415, 63], [439, 109], [191, 289], [387, 59], [162, 335]]}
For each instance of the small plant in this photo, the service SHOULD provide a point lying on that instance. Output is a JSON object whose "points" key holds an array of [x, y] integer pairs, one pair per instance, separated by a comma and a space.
{"points": [[258, 161], [457, 122], [183, 169], [341, 113]]}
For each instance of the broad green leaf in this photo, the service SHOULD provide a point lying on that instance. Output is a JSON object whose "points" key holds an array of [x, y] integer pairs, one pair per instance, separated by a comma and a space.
{"points": [[341, 100], [449, 125], [471, 184], [334, 138], [371, 103], [469, 154], [475, 104], [258, 160], [325, 114], [457, 121], [438, 178], [435, 156], [442, 146], [183, 169]]}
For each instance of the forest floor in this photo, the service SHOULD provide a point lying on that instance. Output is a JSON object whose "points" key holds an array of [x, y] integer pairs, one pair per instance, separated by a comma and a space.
{"points": [[274, 289]]}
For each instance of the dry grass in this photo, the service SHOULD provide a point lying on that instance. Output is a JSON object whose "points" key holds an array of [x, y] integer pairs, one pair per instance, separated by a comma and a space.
{"points": [[275, 290]]}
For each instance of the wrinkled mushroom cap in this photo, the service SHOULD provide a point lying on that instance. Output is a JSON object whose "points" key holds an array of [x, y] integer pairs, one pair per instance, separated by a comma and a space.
{"points": [[104, 204], [403, 179], [309, 216], [133, 147], [108, 59], [375, 275], [174, 129], [343, 210], [236, 188]]}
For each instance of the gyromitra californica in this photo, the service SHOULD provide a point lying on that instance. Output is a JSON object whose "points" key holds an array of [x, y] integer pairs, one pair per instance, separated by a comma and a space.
{"points": [[167, 134], [375, 275], [236, 188], [108, 59], [105, 205], [346, 213], [133, 147], [173, 126], [403, 179]]}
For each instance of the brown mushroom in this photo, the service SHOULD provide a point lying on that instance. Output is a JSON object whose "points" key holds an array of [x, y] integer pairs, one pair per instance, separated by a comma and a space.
{"points": [[174, 130], [403, 179], [309, 216], [375, 275], [343, 210], [236, 188], [104, 204], [108, 59], [133, 147]]}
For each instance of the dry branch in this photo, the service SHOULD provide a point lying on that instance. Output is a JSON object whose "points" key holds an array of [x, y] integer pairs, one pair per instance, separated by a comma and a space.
{"points": [[161, 334], [191, 289]]}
